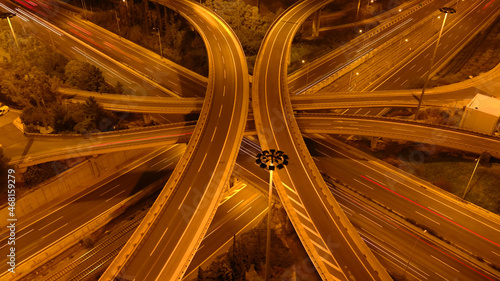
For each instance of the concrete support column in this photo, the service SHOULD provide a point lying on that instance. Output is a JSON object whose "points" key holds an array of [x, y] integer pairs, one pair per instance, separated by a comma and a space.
{"points": [[315, 23], [374, 142]]}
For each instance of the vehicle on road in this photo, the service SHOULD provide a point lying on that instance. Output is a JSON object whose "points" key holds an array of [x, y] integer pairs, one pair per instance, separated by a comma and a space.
{"points": [[3, 109]]}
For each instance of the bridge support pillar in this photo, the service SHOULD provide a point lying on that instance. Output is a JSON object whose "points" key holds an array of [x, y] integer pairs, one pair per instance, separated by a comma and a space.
{"points": [[374, 143], [94, 166], [315, 24]]}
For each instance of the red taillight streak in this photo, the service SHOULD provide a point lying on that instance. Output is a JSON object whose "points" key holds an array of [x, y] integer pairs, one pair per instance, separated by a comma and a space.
{"points": [[84, 37], [488, 4], [80, 28], [122, 52], [24, 4], [415, 236], [437, 214]]}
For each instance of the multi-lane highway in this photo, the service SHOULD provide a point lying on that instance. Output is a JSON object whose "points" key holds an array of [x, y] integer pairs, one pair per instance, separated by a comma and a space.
{"points": [[140, 70], [333, 245], [272, 112], [461, 223], [41, 148], [342, 59], [399, 129], [473, 15], [44, 148], [46, 228], [389, 239], [166, 241], [387, 236]]}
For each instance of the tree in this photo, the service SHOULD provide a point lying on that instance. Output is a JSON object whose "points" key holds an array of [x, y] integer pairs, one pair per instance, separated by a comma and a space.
{"points": [[92, 109], [119, 88], [84, 76], [65, 117], [237, 262], [201, 275], [85, 126], [245, 20], [34, 175], [225, 272], [32, 115]]}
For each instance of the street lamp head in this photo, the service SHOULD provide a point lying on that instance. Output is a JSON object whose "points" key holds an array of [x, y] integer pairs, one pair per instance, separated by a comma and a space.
{"points": [[7, 15], [447, 10], [271, 159]]}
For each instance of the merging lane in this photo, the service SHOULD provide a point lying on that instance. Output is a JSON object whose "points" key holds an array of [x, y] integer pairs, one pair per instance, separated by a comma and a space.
{"points": [[164, 244], [333, 245]]}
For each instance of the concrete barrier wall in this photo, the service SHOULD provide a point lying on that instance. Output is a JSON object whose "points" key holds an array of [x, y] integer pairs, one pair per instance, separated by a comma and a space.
{"points": [[68, 183]]}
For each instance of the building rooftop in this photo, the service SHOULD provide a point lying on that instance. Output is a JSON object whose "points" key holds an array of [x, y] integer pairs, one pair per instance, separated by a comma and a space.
{"points": [[485, 104]]}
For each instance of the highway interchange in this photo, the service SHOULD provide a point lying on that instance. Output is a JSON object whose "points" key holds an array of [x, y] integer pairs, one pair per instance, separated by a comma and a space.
{"points": [[271, 110]]}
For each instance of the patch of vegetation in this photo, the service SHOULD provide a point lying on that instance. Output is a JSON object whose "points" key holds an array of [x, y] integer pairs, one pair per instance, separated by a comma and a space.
{"points": [[249, 25], [37, 174], [87, 242], [30, 82], [446, 168], [439, 116], [141, 22], [245, 260]]}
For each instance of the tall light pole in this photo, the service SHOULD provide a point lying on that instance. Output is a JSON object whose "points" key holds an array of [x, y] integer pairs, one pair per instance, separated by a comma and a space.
{"points": [[8, 16], [357, 11], [411, 254], [270, 159], [446, 11], [118, 24], [159, 40], [473, 172], [84, 7], [307, 71], [399, 48], [350, 79]]}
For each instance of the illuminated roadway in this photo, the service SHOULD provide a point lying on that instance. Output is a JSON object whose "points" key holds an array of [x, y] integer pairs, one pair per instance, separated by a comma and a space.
{"points": [[470, 227], [164, 244], [135, 67], [43, 148], [39, 231], [453, 37], [244, 208], [335, 248], [340, 59], [399, 129]]}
